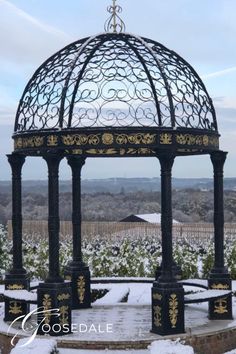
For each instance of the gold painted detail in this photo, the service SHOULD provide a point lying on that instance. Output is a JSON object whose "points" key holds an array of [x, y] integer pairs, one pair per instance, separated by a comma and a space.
{"points": [[47, 305], [52, 140], [107, 138], [121, 152], [63, 315], [201, 140], [15, 287], [220, 286], [33, 141], [157, 297], [81, 139], [157, 315], [68, 277], [81, 288], [220, 306], [173, 309], [15, 307], [62, 297], [166, 139], [139, 138]]}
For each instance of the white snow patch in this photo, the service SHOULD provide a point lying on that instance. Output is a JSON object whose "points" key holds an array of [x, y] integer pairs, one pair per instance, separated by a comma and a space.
{"points": [[169, 347], [116, 294], [42, 346], [20, 295]]}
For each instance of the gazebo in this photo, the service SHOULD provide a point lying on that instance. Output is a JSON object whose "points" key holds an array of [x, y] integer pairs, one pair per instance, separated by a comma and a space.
{"points": [[113, 95]]}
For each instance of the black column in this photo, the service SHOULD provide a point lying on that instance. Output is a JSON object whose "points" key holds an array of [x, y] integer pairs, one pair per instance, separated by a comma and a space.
{"points": [[77, 271], [219, 277], [53, 162], [76, 164], [166, 162], [167, 294], [16, 278], [54, 293]]}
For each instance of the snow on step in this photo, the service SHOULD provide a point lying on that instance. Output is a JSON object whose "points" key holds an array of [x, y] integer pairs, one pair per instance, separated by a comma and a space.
{"points": [[204, 295], [20, 295], [139, 295], [116, 292], [169, 347], [42, 346]]}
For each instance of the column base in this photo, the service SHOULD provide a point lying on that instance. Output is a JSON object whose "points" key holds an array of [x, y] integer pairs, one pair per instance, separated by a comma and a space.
{"points": [[176, 269], [54, 296], [220, 309], [16, 280], [79, 275], [167, 308]]}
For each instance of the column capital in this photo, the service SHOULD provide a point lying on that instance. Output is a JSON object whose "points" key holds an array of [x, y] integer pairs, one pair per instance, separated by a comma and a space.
{"points": [[218, 159], [16, 160], [166, 160], [76, 161]]}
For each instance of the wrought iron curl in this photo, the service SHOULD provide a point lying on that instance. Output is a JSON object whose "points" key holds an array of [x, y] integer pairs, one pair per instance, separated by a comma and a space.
{"points": [[114, 23], [118, 84]]}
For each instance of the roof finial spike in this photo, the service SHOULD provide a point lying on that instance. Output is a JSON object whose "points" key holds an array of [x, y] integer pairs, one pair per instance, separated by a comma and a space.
{"points": [[114, 23]]}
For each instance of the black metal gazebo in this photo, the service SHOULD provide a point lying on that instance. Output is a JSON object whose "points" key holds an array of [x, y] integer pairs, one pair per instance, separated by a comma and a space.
{"points": [[113, 95]]}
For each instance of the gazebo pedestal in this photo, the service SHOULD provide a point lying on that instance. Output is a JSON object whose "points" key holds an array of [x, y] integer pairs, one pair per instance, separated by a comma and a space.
{"points": [[54, 296], [79, 275], [167, 308]]}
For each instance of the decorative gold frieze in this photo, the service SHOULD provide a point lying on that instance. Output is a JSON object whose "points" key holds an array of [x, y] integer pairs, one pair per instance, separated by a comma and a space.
{"points": [[15, 286], [165, 138], [101, 151], [15, 307], [62, 297], [18, 143], [63, 315], [173, 309], [32, 141], [47, 305], [81, 139], [220, 306], [220, 286], [157, 296], [139, 138], [107, 138], [77, 151], [52, 140], [81, 288], [200, 140], [157, 315]]}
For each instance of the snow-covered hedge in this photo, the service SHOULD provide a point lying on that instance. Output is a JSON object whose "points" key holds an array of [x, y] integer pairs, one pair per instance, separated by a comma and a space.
{"points": [[133, 258]]}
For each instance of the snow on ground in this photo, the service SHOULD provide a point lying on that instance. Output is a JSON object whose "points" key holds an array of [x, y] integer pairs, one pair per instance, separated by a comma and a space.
{"points": [[37, 346], [169, 347]]}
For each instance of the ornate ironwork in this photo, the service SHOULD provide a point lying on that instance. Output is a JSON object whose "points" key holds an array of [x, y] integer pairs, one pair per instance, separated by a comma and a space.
{"points": [[114, 23], [115, 80]]}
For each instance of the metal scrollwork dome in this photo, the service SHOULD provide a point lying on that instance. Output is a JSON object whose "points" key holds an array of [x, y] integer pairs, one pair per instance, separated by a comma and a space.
{"points": [[115, 80]]}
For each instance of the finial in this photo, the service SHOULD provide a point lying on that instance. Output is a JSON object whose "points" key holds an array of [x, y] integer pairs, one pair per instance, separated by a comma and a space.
{"points": [[114, 23]]}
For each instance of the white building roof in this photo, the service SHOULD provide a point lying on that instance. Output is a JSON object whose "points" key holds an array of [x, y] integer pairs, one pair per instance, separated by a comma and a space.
{"points": [[154, 218]]}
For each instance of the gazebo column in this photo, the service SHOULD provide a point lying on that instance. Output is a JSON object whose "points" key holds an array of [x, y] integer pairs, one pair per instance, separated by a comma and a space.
{"points": [[54, 293], [219, 278], [16, 278], [167, 294], [77, 270]]}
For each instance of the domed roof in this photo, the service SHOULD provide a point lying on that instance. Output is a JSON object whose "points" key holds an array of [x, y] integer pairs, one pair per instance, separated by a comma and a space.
{"points": [[115, 80]]}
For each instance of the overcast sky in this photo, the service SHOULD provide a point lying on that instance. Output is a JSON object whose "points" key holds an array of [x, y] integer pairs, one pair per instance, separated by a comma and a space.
{"points": [[203, 32]]}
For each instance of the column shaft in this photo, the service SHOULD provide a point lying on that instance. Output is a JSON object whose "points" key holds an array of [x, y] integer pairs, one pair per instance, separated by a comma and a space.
{"points": [[53, 162], [16, 162], [76, 164], [218, 159], [166, 161]]}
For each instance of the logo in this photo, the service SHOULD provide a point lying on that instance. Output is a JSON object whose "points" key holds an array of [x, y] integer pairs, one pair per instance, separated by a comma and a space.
{"points": [[30, 323]]}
